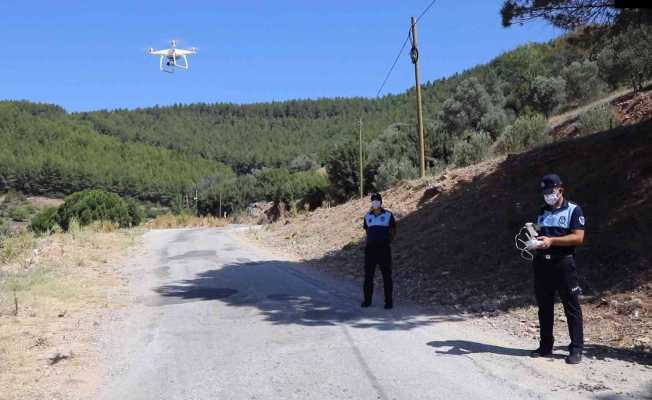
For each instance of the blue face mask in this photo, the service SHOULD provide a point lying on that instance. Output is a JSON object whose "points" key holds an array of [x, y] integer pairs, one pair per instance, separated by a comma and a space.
{"points": [[375, 204]]}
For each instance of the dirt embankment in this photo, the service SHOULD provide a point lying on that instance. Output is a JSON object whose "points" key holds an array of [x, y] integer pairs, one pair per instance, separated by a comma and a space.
{"points": [[55, 293], [456, 234]]}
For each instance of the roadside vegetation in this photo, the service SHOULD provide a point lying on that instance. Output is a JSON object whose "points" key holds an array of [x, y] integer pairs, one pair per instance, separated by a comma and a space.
{"points": [[53, 292]]}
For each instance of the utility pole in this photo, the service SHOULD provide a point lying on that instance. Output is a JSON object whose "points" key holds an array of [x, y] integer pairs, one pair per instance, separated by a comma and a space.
{"points": [[220, 214], [414, 54], [196, 203], [361, 167]]}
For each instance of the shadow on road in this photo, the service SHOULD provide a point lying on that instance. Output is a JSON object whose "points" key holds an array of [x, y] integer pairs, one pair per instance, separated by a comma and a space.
{"points": [[286, 295], [464, 347]]}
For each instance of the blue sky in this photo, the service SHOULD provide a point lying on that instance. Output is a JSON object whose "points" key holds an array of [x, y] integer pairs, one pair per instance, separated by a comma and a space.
{"points": [[88, 55]]}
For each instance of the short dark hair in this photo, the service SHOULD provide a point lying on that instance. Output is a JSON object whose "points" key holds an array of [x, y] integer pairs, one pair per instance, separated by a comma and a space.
{"points": [[549, 182], [376, 196]]}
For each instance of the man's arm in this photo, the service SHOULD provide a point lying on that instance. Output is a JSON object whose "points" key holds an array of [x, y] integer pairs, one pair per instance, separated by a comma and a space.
{"points": [[575, 238], [392, 228]]}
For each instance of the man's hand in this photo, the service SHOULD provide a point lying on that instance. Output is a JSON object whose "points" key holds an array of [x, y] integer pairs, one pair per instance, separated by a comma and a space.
{"points": [[576, 238], [546, 242]]}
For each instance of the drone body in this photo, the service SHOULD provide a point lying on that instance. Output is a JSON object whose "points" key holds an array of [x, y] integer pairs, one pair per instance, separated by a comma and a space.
{"points": [[169, 58]]}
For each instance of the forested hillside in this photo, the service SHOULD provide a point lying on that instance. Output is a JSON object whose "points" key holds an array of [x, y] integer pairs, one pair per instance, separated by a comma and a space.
{"points": [[248, 137], [45, 151], [307, 150]]}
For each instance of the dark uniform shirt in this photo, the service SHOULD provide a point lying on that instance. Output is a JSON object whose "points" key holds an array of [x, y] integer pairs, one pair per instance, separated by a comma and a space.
{"points": [[379, 227], [560, 222]]}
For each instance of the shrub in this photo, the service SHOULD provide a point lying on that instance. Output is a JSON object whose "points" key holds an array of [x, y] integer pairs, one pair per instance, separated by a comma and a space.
{"points": [[471, 150], [103, 226], [45, 221], [4, 228], [525, 133], [94, 205], [21, 213], [392, 171], [303, 162], [74, 228], [153, 212], [597, 119], [136, 212], [12, 247]]}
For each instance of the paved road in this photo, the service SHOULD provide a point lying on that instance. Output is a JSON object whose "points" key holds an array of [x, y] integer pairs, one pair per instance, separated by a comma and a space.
{"points": [[214, 318]]}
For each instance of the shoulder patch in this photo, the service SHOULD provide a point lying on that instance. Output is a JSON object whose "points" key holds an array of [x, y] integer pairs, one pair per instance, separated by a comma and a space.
{"points": [[582, 220]]}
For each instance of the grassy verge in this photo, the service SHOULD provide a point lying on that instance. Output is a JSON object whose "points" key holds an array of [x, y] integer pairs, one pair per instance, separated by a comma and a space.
{"points": [[170, 221], [54, 291]]}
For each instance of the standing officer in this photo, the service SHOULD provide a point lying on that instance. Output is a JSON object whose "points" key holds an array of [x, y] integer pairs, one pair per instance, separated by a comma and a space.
{"points": [[561, 224], [381, 230]]}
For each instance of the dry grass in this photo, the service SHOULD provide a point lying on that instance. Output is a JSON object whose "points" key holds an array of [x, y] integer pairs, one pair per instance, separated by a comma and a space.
{"points": [[52, 293], [170, 221]]}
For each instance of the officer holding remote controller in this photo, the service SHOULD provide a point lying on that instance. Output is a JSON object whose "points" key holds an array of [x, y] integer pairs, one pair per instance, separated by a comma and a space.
{"points": [[561, 227]]}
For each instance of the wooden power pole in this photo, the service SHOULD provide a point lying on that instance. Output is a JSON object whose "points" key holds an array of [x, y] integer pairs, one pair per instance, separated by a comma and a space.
{"points": [[361, 163], [414, 54], [220, 214]]}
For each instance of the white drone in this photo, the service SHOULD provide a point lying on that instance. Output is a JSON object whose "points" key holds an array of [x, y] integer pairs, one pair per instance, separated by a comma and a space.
{"points": [[170, 57]]}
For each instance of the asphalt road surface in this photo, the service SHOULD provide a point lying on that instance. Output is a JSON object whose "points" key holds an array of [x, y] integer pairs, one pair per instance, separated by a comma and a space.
{"points": [[215, 318]]}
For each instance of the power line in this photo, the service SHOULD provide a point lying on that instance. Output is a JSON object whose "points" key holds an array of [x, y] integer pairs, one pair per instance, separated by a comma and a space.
{"points": [[400, 52], [407, 38], [426, 10]]}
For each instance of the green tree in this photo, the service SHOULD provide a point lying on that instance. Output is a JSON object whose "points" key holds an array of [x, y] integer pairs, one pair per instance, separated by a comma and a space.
{"points": [[627, 58], [548, 94], [570, 14], [343, 170], [471, 107], [582, 80]]}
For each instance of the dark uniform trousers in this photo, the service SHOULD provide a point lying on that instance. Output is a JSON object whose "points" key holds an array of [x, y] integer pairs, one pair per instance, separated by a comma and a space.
{"points": [[378, 254], [558, 275]]}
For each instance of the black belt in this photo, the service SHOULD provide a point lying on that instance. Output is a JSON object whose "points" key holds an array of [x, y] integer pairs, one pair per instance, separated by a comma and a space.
{"points": [[554, 257]]}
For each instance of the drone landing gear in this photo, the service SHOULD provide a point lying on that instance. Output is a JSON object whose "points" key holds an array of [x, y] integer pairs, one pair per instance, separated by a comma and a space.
{"points": [[170, 64], [166, 66]]}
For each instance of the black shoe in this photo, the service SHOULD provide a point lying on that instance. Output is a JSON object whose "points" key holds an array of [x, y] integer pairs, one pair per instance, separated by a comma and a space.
{"points": [[541, 352], [365, 304], [389, 306], [575, 357]]}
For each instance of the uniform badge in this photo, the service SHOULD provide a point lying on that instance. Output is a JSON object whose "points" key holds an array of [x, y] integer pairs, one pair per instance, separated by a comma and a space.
{"points": [[562, 220]]}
